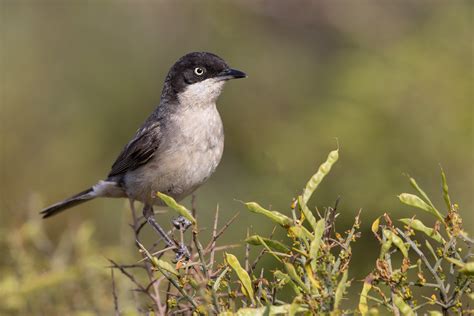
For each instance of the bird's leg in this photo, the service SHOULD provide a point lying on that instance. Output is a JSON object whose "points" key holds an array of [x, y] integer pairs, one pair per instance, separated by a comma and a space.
{"points": [[150, 217], [181, 250]]}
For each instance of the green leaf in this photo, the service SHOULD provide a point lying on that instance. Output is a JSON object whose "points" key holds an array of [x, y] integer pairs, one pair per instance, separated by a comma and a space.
{"points": [[163, 265], [177, 207], [415, 185], [157, 263], [456, 262], [397, 241], [316, 242], [281, 276], [295, 277], [284, 278], [316, 179], [385, 247], [307, 213], [263, 243], [242, 275], [468, 268], [315, 284], [419, 226], [217, 283], [275, 216], [431, 249], [415, 201], [294, 308], [266, 311], [446, 197], [300, 232], [363, 306], [257, 240], [341, 287], [404, 308]]}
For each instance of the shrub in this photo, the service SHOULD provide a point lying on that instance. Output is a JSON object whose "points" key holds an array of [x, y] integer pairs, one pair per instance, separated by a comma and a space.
{"points": [[421, 267], [312, 269]]}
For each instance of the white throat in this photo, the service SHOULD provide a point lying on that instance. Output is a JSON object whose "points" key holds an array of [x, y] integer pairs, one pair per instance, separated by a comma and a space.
{"points": [[202, 93]]}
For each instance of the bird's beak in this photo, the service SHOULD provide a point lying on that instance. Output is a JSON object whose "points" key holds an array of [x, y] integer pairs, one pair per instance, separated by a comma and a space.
{"points": [[232, 74]]}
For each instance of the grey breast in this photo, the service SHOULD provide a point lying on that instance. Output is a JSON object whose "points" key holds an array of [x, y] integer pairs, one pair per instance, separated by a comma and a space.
{"points": [[191, 148]]}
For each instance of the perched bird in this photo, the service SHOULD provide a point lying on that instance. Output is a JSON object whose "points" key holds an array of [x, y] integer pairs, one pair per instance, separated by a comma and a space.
{"points": [[179, 145]]}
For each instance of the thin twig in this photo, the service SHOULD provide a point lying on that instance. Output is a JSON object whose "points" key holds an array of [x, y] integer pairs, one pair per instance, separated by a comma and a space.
{"points": [[168, 293], [388, 260], [262, 252], [114, 293], [455, 296], [330, 219], [158, 281], [205, 270], [178, 287], [159, 252], [131, 278], [377, 300], [136, 230], [222, 230], [214, 234], [257, 260], [201, 254], [346, 244], [206, 251], [422, 256], [129, 266], [444, 306], [247, 253]]}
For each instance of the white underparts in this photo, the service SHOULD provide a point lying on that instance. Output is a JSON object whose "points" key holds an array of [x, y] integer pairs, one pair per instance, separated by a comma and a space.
{"points": [[107, 189]]}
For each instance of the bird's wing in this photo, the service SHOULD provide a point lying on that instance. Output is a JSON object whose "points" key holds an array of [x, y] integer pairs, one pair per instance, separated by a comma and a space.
{"points": [[138, 151]]}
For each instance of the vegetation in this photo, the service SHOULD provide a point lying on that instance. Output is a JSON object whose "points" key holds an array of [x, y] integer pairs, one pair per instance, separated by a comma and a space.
{"points": [[421, 268], [391, 79]]}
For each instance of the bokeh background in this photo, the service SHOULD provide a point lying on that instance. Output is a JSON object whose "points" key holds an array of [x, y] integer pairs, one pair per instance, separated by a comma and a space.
{"points": [[390, 81]]}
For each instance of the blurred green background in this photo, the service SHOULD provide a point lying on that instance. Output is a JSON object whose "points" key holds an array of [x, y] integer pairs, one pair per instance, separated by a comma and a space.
{"points": [[391, 80]]}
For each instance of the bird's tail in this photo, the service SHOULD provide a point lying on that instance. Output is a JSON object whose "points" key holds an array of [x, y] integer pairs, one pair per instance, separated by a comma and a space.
{"points": [[74, 200]]}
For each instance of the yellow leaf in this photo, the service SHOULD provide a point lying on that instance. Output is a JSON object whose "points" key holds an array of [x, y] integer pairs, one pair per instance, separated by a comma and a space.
{"points": [[177, 207], [375, 225], [242, 275]]}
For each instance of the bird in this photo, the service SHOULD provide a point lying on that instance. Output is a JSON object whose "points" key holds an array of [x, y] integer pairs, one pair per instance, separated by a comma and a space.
{"points": [[177, 148]]}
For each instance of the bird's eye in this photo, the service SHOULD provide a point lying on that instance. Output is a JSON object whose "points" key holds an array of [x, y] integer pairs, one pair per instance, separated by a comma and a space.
{"points": [[198, 71]]}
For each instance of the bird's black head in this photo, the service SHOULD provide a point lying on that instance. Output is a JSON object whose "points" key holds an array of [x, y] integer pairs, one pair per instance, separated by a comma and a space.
{"points": [[205, 72]]}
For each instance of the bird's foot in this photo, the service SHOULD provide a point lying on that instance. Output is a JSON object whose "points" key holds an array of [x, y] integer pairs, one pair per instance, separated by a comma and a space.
{"points": [[181, 223], [182, 253]]}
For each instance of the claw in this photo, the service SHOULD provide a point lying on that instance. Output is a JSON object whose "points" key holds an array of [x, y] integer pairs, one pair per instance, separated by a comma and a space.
{"points": [[181, 223], [182, 253]]}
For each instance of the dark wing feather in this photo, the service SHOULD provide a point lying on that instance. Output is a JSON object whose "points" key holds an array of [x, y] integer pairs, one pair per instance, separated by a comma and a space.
{"points": [[138, 151]]}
